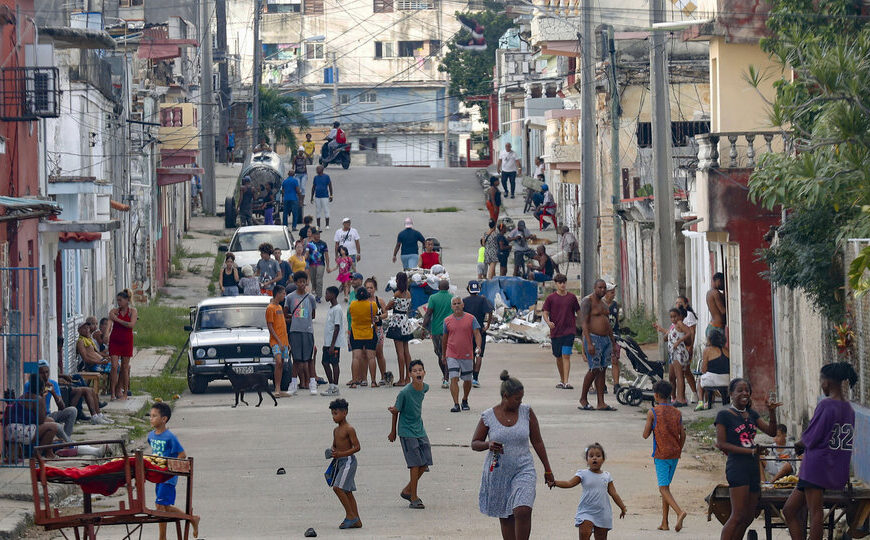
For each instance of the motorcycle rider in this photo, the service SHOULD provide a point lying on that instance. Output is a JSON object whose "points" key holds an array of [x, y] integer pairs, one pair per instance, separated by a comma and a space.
{"points": [[336, 138]]}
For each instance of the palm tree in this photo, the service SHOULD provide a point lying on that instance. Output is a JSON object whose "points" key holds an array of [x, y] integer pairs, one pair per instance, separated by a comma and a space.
{"points": [[279, 114]]}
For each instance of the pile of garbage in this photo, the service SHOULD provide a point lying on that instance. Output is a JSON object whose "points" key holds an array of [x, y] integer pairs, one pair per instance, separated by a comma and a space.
{"points": [[510, 325]]}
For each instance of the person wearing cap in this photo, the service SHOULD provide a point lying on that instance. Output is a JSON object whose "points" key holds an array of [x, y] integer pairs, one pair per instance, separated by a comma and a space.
{"points": [[560, 313], [300, 171], [65, 416], [348, 237], [481, 308], [407, 240], [547, 206], [246, 202], [292, 193]]}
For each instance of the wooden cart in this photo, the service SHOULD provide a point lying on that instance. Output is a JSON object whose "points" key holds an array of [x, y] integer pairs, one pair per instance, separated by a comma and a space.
{"points": [[853, 504], [107, 475]]}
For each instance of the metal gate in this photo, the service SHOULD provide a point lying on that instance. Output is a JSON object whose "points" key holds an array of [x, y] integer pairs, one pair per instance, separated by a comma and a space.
{"points": [[71, 264], [19, 324]]}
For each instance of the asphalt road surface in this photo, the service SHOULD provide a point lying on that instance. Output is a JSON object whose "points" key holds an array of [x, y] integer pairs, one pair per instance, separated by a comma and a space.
{"points": [[238, 451]]}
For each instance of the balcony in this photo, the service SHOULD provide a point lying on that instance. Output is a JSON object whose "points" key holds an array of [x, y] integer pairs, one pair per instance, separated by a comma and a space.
{"points": [[562, 138], [547, 29], [742, 148]]}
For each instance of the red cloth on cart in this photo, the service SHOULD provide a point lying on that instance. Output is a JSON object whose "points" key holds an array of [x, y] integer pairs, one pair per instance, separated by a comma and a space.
{"points": [[106, 478]]}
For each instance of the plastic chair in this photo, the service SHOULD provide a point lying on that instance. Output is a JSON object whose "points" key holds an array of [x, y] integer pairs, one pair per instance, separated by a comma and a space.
{"points": [[546, 215]]}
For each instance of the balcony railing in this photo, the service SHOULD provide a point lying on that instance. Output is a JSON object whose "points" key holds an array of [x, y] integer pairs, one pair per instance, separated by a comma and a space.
{"points": [[28, 93], [743, 148]]}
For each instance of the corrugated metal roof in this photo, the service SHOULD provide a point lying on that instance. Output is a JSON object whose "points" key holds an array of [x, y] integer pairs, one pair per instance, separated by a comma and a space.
{"points": [[20, 202], [15, 208]]}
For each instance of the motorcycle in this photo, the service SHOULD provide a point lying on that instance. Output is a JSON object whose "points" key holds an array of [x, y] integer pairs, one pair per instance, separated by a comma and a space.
{"points": [[341, 155]]}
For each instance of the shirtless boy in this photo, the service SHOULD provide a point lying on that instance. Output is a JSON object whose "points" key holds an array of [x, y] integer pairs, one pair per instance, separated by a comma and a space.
{"points": [[344, 445], [599, 344], [716, 304]]}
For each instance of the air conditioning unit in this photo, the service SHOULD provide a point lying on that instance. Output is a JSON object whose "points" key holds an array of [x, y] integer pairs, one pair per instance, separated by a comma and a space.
{"points": [[29, 93]]}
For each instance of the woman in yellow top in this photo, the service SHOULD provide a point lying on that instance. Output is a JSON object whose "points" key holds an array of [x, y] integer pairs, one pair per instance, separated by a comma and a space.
{"points": [[297, 260], [363, 340]]}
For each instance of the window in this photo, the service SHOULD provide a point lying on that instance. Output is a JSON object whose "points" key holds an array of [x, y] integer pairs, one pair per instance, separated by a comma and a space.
{"points": [[368, 97], [130, 3], [434, 47], [383, 6], [313, 7], [306, 103], [441, 149], [409, 5], [343, 99], [314, 51], [384, 49], [283, 8], [410, 49], [368, 143], [681, 132]]}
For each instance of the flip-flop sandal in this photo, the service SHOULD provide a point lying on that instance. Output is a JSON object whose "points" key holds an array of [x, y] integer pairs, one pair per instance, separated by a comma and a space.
{"points": [[353, 385], [364, 383], [374, 384], [607, 409], [586, 407], [350, 524], [417, 505], [405, 496], [568, 387], [400, 384]]}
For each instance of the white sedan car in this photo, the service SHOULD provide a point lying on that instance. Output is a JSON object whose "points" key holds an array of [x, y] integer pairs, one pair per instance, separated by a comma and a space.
{"points": [[246, 242]]}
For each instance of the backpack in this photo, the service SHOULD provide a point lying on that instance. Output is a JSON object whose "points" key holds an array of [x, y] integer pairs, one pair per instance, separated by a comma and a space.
{"points": [[339, 136]]}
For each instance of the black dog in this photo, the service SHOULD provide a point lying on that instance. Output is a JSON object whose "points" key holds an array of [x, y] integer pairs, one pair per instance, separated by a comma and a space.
{"points": [[248, 382]]}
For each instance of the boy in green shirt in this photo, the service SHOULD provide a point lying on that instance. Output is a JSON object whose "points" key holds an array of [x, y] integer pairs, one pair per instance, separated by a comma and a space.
{"points": [[412, 434]]}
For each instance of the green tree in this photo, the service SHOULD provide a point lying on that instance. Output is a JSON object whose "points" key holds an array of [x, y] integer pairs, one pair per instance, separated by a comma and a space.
{"points": [[279, 115], [825, 182], [471, 71]]}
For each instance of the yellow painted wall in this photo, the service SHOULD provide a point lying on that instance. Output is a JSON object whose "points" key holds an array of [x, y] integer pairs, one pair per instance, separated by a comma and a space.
{"points": [[735, 104], [184, 137]]}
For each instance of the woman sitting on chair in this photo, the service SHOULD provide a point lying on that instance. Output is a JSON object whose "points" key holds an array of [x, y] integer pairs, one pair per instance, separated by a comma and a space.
{"points": [[547, 207]]}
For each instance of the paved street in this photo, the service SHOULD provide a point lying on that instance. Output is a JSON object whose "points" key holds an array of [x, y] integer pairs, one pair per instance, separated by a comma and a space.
{"points": [[238, 451]]}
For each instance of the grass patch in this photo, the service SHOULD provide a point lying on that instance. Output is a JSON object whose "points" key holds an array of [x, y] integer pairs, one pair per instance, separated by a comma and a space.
{"points": [[188, 237], [161, 326], [641, 322], [216, 268], [703, 431], [199, 255], [164, 386], [438, 210]]}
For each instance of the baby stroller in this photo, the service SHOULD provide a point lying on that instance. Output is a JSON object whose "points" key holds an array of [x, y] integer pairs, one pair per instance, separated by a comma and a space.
{"points": [[648, 372]]}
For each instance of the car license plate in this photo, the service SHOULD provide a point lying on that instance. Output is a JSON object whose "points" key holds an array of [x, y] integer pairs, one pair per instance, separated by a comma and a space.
{"points": [[243, 370]]}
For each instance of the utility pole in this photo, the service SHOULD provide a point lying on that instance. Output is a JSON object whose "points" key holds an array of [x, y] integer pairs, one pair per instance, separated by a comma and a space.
{"points": [[206, 138], [255, 89], [615, 111], [588, 180], [663, 189], [335, 105], [223, 75]]}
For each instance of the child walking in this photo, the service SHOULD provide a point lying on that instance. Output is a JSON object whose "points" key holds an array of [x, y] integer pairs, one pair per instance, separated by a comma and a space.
{"points": [[345, 445], [665, 423], [164, 443], [594, 514], [735, 435], [344, 264], [827, 447], [678, 354], [415, 443], [333, 341]]}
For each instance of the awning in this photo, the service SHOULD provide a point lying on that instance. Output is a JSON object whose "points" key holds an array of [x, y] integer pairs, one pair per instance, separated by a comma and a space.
{"points": [[18, 208], [61, 226]]}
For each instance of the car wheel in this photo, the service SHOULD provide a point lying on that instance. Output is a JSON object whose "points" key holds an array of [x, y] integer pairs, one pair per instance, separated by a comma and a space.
{"points": [[230, 213], [197, 383]]}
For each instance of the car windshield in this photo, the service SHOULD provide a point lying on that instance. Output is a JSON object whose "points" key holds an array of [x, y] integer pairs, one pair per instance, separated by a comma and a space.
{"points": [[212, 317], [251, 240]]}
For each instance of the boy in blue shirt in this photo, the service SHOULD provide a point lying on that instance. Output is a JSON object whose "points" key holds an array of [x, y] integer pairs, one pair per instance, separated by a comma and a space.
{"points": [[164, 443]]}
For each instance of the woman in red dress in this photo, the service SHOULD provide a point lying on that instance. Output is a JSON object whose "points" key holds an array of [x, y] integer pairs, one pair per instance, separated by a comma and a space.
{"points": [[123, 319]]}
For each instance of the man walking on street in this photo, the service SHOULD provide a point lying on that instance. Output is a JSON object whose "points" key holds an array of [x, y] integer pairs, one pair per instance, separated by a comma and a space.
{"points": [[321, 195], [231, 145], [407, 240], [318, 262], [290, 186], [300, 171], [348, 237], [481, 308], [509, 166], [246, 203], [278, 337], [599, 343], [437, 309], [560, 313], [460, 344], [716, 305]]}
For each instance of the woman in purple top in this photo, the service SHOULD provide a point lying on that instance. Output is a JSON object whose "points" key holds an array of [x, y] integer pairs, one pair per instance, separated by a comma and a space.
{"points": [[827, 443]]}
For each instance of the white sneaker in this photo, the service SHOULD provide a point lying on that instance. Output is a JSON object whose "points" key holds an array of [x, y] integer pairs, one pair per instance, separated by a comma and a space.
{"points": [[105, 419], [312, 388], [327, 392], [292, 389]]}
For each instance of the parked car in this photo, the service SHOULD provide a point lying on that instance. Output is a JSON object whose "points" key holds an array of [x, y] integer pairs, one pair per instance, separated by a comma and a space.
{"points": [[228, 330], [246, 241]]}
